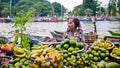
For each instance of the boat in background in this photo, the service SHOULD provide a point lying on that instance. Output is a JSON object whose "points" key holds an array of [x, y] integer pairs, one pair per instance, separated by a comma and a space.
{"points": [[99, 19], [114, 33], [113, 18], [85, 19], [90, 19], [5, 20], [45, 19]]}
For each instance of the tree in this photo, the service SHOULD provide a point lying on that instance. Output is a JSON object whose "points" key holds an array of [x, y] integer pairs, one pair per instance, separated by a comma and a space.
{"points": [[78, 10], [112, 8], [22, 5], [3, 7], [91, 4], [42, 8], [88, 11], [5, 12], [118, 6], [57, 8]]}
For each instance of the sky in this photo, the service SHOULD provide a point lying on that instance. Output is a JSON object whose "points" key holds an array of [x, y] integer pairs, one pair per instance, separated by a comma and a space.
{"points": [[70, 4]]}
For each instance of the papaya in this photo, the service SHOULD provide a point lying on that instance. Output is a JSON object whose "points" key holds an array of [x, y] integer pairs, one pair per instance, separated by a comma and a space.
{"points": [[112, 65], [101, 64]]}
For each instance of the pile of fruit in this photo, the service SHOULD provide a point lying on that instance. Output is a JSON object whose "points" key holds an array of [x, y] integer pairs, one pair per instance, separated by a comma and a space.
{"points": [[18, 63], [21, 52], [116, 50], [98, 54], [84, 61], [6, 47], [103, 64], [70, 48], [103, 44], [45, 57], [70, 45]]}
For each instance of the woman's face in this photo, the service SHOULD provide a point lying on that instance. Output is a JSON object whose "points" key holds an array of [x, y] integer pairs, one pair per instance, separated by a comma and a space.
{"points": [[71, 24]]}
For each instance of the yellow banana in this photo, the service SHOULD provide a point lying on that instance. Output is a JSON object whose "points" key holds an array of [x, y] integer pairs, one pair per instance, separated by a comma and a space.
{"points": [[34, 55], [32, 65], [37, 51], [18, 50], [19, 55]]}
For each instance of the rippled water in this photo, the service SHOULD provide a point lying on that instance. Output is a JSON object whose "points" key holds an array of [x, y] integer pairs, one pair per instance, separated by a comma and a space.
{"points": [[43, 29]]}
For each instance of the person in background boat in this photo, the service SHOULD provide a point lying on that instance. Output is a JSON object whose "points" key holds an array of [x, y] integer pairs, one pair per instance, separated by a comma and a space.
{"points": [[74, 29]]}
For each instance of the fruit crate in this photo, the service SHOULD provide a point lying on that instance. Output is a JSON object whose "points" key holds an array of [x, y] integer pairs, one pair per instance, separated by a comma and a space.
{"points": [[90, 37], [4, 60]]}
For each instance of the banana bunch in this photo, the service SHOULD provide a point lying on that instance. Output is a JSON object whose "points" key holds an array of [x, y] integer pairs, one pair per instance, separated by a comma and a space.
{"points": [[116, 52], [18, 52], [103, 44], [46, 57]]}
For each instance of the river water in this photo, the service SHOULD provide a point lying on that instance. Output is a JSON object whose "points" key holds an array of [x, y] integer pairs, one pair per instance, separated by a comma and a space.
{"points": [[44, 28]]}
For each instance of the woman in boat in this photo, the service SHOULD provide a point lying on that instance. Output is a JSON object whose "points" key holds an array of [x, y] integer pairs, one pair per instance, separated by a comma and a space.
{"points": [[74, 29]]}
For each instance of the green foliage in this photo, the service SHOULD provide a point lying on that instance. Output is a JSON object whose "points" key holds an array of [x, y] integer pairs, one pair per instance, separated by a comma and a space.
{"points": [[89, 7], [88, 11], [43, 7], [3, 5], [23, 17], [91, 4], [112, 7], [19, 22], [78, 10], [57, 7]]}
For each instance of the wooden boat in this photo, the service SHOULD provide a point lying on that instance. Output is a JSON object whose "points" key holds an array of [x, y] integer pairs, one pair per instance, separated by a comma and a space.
{"points": [[113, 19], [114, 33], [112, 38], [57, 36], [99, 19], [85, 19], [45, 19], [89, 37], [90, 19]]}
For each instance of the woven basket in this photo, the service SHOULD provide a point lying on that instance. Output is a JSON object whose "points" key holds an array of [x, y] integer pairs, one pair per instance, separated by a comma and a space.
{"points": [[4, 59], [90, 38], [114, 58]]}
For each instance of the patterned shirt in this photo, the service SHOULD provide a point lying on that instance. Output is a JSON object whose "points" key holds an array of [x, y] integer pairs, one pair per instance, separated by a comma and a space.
{"points": [[78, 35]]}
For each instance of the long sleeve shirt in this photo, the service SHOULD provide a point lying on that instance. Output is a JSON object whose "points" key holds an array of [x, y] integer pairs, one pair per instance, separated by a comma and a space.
{"points": [[78, 35]]}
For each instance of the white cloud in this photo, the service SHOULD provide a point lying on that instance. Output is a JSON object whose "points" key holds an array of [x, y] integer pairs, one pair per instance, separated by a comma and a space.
{"points": [[70, 4]]}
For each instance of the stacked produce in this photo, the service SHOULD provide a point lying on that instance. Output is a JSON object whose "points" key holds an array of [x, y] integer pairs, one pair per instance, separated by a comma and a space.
{"points": [[103, 44], [98, 54], [21, 52], [84, 61], [45, 57], [20, 59], [18, 63], [70, 48]]}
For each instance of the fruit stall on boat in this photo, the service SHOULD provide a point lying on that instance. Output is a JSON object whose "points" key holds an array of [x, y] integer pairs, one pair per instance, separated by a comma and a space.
{"points": [[65, 54]]}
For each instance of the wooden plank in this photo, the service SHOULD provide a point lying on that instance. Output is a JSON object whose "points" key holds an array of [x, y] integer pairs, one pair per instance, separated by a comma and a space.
{"points": [[112, 38]]}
